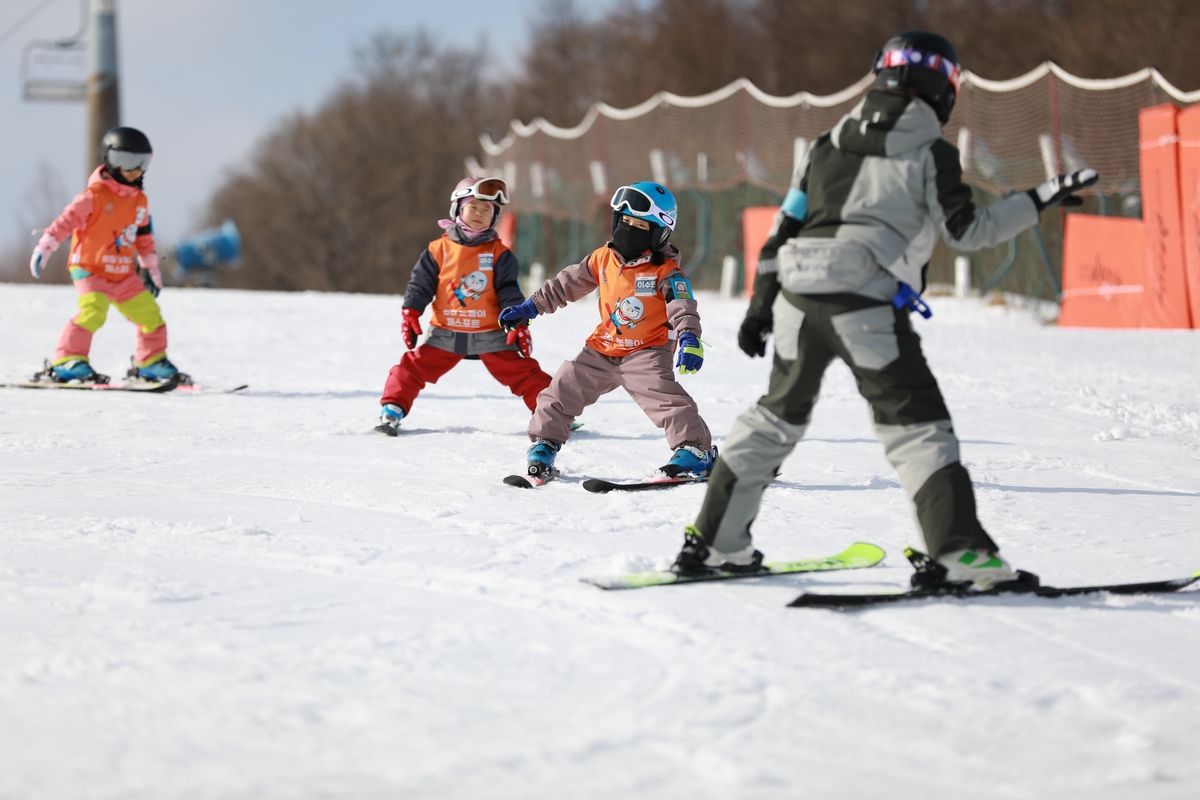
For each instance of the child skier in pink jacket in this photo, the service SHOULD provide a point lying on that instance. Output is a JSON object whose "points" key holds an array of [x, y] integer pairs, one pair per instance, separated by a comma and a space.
{"points": [[109, 223]]}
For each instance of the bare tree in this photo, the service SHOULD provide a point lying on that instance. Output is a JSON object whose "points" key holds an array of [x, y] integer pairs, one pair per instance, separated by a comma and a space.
{"points": [[346, 198], [41, 204]]}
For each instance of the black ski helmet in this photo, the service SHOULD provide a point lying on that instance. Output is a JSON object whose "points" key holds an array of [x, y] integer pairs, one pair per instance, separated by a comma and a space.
{"points": [[125, 149], [923, 62]]}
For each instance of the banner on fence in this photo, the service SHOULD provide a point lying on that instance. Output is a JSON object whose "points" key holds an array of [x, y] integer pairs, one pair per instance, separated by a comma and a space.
{"points": [[756, 227], [1104, 261], [1189, 195], [1165, 303]]}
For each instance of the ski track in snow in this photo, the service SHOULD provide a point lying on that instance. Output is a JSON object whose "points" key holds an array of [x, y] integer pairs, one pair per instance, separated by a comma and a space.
{"points": [[253, 595]]}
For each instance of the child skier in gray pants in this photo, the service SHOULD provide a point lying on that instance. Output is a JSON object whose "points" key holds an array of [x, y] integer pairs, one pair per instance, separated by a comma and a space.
{"points": [[646, 306]]}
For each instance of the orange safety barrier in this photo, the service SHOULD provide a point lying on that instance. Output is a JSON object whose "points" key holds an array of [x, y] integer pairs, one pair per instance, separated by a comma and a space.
{"points": [[756, 227], [1189, 195], [1104, 261], [506, 229], [1165, 302]]}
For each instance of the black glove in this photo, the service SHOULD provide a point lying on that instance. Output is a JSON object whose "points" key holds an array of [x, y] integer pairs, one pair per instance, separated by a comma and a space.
{"points": [[1061, 190], [752, 336], [148, 282]]}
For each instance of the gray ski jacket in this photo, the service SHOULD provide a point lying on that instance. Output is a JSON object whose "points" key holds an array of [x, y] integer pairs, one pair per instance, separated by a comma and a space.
{"points": [[882, 186]]}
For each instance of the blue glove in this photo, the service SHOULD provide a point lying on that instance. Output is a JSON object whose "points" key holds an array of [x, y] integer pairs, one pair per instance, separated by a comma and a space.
{"points": [[906, 298], [514, 316], [691, 354]]}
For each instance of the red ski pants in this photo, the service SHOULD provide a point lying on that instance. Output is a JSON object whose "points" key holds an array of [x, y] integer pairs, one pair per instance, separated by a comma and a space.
{"points": [[426, 364]]}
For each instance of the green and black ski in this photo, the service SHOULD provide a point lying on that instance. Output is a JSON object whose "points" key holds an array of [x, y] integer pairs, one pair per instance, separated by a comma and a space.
{"points": [[851, 602], [856, 556]]}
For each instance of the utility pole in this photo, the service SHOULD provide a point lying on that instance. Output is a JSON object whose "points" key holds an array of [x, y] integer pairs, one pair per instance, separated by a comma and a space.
{"points": [[104, 103]]}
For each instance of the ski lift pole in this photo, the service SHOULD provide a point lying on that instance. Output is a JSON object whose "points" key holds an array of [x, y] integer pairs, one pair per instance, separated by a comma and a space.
{"points": [[104, 103]]}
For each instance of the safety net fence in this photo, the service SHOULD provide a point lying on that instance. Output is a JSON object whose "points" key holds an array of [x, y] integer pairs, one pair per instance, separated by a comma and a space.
{"points": [[737, 147]]}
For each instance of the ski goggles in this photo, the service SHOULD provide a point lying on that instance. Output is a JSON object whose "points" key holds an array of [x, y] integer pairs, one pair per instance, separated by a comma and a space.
{"points": [[918, 58], [127, 161], [639, 204], [486, 189]]}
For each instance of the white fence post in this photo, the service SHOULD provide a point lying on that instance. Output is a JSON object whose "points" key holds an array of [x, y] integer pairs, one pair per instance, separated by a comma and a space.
{"points": [[729, 268], [537, 276], [962, 276]]}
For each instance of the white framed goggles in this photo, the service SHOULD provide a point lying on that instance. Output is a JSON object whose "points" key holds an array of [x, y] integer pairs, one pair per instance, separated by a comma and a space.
{"points": [[127, 161], [493, 189], [639, 204], [918, 58]]}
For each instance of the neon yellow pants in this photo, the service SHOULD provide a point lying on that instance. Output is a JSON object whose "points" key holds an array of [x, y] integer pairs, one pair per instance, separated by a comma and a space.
{"points": [[139, 307]]}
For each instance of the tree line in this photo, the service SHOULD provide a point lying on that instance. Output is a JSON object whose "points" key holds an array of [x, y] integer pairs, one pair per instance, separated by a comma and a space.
{"points": [[345, 198]]}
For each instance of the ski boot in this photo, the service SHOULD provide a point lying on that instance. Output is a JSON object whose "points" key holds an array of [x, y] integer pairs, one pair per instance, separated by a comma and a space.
{"points": [[967, 570], [541, 460], [689, 462], [389, 419], [158, 371], [77, 370], [699, 558]]}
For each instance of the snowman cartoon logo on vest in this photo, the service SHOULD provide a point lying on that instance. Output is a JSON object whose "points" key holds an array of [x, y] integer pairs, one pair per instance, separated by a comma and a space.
{"points": [[125, 238], [471, 287], [628, 312]]}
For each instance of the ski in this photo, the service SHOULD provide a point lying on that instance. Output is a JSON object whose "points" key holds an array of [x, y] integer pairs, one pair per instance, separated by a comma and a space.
{"points": [[199, 388], [147, 388], [850, 602], [530, 481], [856, 556], [597, 486]]}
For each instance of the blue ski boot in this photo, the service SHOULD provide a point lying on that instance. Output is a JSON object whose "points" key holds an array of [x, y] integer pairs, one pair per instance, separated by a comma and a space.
{"points": [[690, 462], [389, 419], [77, 370], [160, 371], [541, 461]]}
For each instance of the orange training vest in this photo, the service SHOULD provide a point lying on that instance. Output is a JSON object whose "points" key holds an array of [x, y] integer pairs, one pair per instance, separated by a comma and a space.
{"points": [[105, 247], [466, 297], [633, 314]]}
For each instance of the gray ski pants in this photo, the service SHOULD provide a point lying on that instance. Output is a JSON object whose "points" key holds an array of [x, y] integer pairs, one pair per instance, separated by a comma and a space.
{"points": [[646, 374], [877, 342]]}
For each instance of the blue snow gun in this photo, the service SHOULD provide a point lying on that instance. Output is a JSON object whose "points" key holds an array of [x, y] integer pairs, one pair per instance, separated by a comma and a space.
{"points": [[210, 249], [906, 298]]}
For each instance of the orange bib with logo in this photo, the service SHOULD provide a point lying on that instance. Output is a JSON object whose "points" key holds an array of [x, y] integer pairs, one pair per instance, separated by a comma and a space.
{"points": [[466, 297], [105, 247], [633, 314]]}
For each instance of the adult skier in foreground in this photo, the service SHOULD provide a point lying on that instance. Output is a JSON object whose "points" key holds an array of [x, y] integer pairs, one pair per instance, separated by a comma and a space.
{"points": [[843, 265]]}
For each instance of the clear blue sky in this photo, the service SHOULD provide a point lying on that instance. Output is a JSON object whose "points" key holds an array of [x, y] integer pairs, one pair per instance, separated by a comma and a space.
{"points": [[206, 80]]}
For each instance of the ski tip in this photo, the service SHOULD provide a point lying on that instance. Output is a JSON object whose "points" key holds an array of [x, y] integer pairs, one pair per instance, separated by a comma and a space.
{"points": [[865, 551], [520, 481], [597, 486]]}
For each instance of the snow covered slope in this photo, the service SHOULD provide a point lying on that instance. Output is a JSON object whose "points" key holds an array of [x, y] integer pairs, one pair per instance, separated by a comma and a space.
{"points": [[254, 596]]}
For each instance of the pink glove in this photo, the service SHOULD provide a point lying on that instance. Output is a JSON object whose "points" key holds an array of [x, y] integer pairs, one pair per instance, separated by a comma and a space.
{"points": [[520, 335], [150, 264], [41, 254], [410, 326]]}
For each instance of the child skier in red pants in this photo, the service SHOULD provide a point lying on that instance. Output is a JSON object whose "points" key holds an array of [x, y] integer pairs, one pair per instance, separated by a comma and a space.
{"points": [[469, 276], [109, 223]]}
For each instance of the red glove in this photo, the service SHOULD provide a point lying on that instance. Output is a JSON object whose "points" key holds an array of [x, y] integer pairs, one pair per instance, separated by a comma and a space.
{"points": [[520, 335], [410, 326]]}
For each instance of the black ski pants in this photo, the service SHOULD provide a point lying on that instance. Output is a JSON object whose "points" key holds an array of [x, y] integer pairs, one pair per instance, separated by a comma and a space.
{"points": [[883, 352]]}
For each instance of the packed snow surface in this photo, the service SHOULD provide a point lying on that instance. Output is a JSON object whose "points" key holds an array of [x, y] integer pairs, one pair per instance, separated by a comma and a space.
{"points": [[255, 596]]}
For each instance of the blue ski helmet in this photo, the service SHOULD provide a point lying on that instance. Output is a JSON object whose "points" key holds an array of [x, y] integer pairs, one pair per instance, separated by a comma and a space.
{"points": [[650, 201]]}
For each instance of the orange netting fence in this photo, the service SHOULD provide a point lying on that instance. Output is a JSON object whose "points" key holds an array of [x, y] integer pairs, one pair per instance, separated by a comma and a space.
{"points": [[737, 147]]}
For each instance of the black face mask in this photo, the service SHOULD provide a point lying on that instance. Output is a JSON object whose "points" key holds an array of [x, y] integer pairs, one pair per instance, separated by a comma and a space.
{"points": [[119, 177], [632, 242]]}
